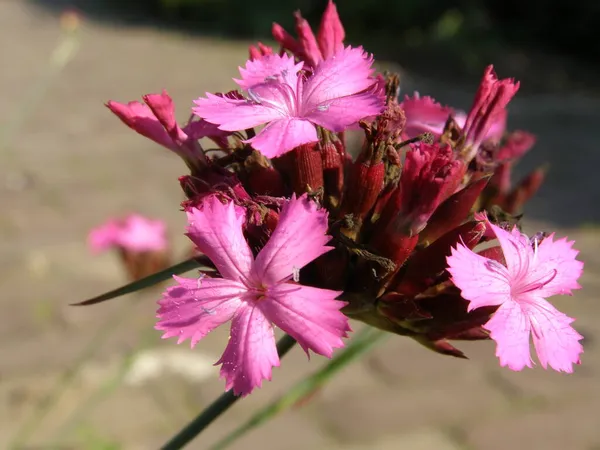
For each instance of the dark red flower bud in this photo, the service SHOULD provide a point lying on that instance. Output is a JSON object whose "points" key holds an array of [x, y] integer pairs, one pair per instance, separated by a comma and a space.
{"points": [[307, 173], [262, 178], [452, 212], [516, 145], [426, 266], [430, 174], [524, 190]]}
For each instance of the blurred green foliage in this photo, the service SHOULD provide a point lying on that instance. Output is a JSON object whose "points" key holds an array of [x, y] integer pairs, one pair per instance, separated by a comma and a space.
{"points": [[561, 26]]}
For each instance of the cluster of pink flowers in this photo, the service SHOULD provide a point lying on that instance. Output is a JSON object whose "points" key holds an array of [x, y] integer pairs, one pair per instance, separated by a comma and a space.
{"points": [[303, 235]]}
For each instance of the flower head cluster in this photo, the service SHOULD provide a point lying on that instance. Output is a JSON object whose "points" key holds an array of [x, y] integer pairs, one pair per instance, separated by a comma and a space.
{"points": [[299, 224]]}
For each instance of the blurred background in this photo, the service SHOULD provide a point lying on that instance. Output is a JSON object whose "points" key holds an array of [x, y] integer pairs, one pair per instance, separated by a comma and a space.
{"points": [[99, 377]]}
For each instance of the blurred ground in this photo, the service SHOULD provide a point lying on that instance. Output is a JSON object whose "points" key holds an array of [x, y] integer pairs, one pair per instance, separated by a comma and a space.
{"points": [[73, 164]]}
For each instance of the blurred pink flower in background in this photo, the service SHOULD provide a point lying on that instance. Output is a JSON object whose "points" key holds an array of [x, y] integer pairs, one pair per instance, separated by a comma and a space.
{"points": [[134, 233]]}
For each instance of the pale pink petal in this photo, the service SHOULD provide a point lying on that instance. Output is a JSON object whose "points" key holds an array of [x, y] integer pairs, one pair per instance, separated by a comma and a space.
{"points": [[482, 281], [195, 307], [274, 94], [103, 237], [310, 315], [270, 67], [140, 118], [556, 342], [251, 353], [340, 113], [555, 261], [217, 232], [283, 135], [138, 233], [299, 238], [233, 115], [347, 72], [510, 328], [517, 251]]}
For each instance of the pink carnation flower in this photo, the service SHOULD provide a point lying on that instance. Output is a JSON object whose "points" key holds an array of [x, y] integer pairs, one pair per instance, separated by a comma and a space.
{"points": [[256, 294], [534, 270], [135, 233], [340, 92]]}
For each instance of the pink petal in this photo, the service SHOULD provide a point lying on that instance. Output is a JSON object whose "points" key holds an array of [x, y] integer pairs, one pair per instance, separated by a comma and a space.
{"points": [[233, 115], [556, 342], [345, 73], [283, 135], [424, 114], [251, 353], [299, 238], [558, 259], [517, 251], [138, 233], [199, 129], [310, 315], [482, 281], [141, 119], [340, 113], [195, 307], [280, 67], [510, 328], [217, 232], [103, 237], [162, 107]]}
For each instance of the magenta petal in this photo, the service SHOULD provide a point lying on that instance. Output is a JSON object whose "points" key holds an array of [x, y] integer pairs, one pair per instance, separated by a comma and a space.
{"points": [[251, 353], [233, 115], [217, 232], [347, 72], [164, 110], [310, 315], [340, 113], [510, 328], [331, 33], [283, 135], [197, 306], [299, 238], [140, 118], [280, 67]]}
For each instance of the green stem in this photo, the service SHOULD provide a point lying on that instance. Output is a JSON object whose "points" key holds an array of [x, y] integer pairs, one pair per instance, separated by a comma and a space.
{"points": [[362, 342], [218, 407]]}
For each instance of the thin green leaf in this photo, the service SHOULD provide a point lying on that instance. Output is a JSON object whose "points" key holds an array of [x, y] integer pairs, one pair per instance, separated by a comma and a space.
{"points": [[362, 342], [151, 280]]}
